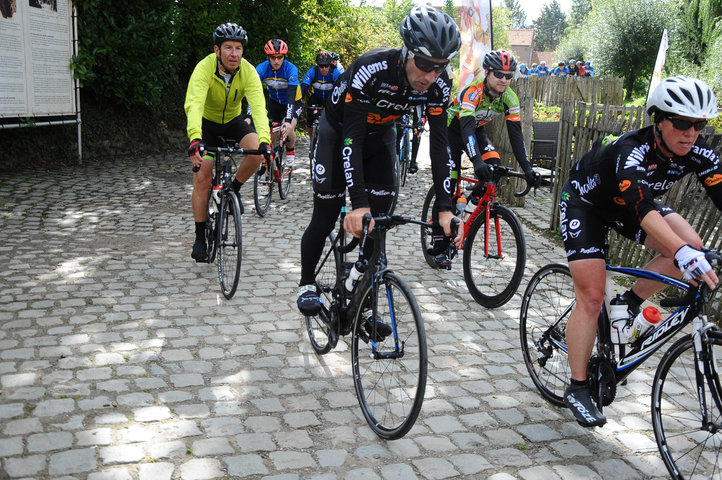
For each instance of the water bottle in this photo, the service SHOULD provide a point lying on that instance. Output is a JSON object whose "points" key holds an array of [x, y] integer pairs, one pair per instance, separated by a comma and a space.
{"points": [[353, 276], [645, 321], [217, 194], [460, 206], [618, 320], [469, 209]]}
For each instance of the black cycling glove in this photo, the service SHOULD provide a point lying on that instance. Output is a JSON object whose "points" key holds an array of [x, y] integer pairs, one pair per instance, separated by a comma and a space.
{"points": [[266, 150], [481, 169], [197, 146]]}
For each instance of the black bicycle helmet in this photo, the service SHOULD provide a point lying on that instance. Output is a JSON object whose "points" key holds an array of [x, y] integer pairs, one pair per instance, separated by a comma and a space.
{"points": [[499, 60], [230, 31], [323, 59], [431, 33]]}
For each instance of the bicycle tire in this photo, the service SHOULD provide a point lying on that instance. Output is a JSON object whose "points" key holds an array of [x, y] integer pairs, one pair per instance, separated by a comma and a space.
{"points": [[426, 235], [263, 188], [284, 173], [689, 450], [487, 276], [211, 228], [320, 327], [230, 244], [547, 302], [404, 156], [390, 391]]}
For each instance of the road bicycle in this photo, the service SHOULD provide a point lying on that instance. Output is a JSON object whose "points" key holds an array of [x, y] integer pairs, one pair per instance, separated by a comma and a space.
{"points": [[389, 371], [494, 244], [223, 223], [686, 393], [275, 170], [410, 140], [316, 110]]}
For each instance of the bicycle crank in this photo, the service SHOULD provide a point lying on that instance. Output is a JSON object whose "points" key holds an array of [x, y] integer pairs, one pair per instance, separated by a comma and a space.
{"points": [[602, 382]]}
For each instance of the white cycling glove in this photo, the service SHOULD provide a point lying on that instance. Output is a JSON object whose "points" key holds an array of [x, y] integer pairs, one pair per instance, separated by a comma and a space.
{"points": [[691, 262]]}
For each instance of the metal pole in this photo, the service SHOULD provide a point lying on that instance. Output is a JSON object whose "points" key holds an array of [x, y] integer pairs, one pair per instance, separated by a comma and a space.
{"points": [[77, 86]]}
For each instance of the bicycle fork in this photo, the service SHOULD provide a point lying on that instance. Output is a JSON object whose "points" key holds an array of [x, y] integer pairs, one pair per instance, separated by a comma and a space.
{"points": [[704, 335]]}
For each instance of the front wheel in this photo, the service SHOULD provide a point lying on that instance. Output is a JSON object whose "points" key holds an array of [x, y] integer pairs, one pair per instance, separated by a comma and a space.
{"points": [[689, 443], [229, 241], [426, 236], [494, 257], [284, 172], [263, 187], [545, 308], [389, 372]]}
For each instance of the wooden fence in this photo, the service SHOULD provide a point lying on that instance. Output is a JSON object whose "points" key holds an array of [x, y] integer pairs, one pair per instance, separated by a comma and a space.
{"points": [[557, 90]]}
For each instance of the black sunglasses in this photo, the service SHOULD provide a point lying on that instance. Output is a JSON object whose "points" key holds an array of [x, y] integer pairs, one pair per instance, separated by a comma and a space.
{"points": [[683, 125], [501, 75], [428, 66]]}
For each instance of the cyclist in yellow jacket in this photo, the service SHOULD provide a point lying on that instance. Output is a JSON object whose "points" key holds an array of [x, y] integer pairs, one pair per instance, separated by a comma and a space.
{"points": [[216, 89]]}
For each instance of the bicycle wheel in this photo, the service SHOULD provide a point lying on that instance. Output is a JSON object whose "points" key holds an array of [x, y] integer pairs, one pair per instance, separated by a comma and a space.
{"points": [[426, 236], [211, 226], [390, 380], [545, 308], [320, 328], [263, 188], [404, 156], [229, 241], [283, 170], [690, 449], [493, 277]]}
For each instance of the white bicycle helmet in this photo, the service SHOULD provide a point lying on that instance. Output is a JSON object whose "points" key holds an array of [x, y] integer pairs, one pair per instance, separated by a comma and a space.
{"points": [[684, 96]]}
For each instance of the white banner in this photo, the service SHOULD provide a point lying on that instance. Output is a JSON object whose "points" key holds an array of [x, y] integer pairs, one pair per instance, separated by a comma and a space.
{"points": [[37, 47], [659, 64], [476, 32]]}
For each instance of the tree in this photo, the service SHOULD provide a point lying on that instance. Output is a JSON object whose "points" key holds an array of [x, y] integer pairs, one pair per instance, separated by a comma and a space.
{"points": [[516, 14], [580, 12], [549, 27], [500, 21], [698, 19], [395, 11], [623, 38]]}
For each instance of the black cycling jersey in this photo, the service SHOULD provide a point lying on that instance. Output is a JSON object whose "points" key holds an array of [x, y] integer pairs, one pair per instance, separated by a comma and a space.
{"points": [[619, 179], [372, 93]]}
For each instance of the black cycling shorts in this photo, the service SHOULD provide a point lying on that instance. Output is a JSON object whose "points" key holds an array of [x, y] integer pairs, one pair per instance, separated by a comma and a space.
{"points": [[582, 226], [236, 130]]}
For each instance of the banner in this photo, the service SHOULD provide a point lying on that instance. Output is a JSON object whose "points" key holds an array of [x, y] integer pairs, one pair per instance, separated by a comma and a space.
{"points": [[37, 47], [659, 64], [476, 39]]}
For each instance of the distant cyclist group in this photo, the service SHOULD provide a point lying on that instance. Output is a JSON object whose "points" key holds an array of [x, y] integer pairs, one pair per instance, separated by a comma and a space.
{"points": [[356, 155]]}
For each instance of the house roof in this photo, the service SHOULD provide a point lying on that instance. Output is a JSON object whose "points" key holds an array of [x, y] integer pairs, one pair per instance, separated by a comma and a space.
{"points": [[521, 37]]}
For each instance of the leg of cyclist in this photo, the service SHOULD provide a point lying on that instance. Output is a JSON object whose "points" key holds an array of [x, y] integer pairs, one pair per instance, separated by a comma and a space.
{"points": [[582, 233], [199, 202], [290, 132], [247, 138]]}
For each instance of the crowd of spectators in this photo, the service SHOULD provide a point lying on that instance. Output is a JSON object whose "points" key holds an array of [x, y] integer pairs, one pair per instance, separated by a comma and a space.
{"points": [[575, 68]]}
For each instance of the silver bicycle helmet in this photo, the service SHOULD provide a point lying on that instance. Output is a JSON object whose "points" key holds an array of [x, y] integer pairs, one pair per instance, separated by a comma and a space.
{"points": [[431, 33], [685, 96], [230, 31]]}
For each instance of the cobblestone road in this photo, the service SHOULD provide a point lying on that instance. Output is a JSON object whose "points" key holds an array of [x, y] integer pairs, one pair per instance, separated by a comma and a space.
{"points": [[120, 359]]}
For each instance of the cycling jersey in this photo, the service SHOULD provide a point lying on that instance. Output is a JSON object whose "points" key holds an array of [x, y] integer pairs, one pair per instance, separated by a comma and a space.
{"points": [[475, 107], [319, 85], [620, 178], [283, 86], [372, 94], [210, 96]]}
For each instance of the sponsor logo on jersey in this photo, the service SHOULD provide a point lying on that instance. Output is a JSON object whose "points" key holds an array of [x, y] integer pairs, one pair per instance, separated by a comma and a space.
{"points": [[435, 111], [619, 201], [364, 73], [574, 224], [624, 184], [347, 168], [590, 250], [347, 141], [591, 184], [713, 180], [636, 156], [387, 105], [704, 152]]}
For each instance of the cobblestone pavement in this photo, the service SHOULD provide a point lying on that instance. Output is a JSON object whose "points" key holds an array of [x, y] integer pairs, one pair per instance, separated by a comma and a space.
{"points": [[120, 359]]}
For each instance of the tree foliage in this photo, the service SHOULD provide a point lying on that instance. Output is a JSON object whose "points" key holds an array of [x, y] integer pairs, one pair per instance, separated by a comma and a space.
{"points": [[698, 19], [623, 38], [549, 27], [516, 14], [500, 22], [580, 12]]}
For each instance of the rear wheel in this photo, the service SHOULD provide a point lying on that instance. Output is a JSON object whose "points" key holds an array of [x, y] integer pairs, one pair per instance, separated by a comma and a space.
{"points": [[321, 330], [389, 374], [427, 239], [545, 308], [211, 223], [405, 156], [690, 448], [494, 257], [284, 172], [263, 188], [229, 241]]}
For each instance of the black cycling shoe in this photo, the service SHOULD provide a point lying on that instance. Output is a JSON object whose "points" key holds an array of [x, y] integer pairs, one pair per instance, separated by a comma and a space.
{"points": [[383, 329], [199, 253], [413, 167], [442, 261], [580, 402], [308, 302]]}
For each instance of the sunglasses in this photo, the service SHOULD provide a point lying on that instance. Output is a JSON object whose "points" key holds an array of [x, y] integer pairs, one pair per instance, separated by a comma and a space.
{"points": [[501, 75], [683, 125], [427, 66], [324, 66], [275, 57]]}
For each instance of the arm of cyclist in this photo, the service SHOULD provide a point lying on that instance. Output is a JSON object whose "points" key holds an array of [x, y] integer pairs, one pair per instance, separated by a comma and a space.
{"points": [[441, 166], [353, 221]]}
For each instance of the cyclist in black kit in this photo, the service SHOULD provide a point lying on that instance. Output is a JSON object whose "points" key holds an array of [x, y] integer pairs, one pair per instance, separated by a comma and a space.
{"points": [[357, 140], [619, 179]]}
